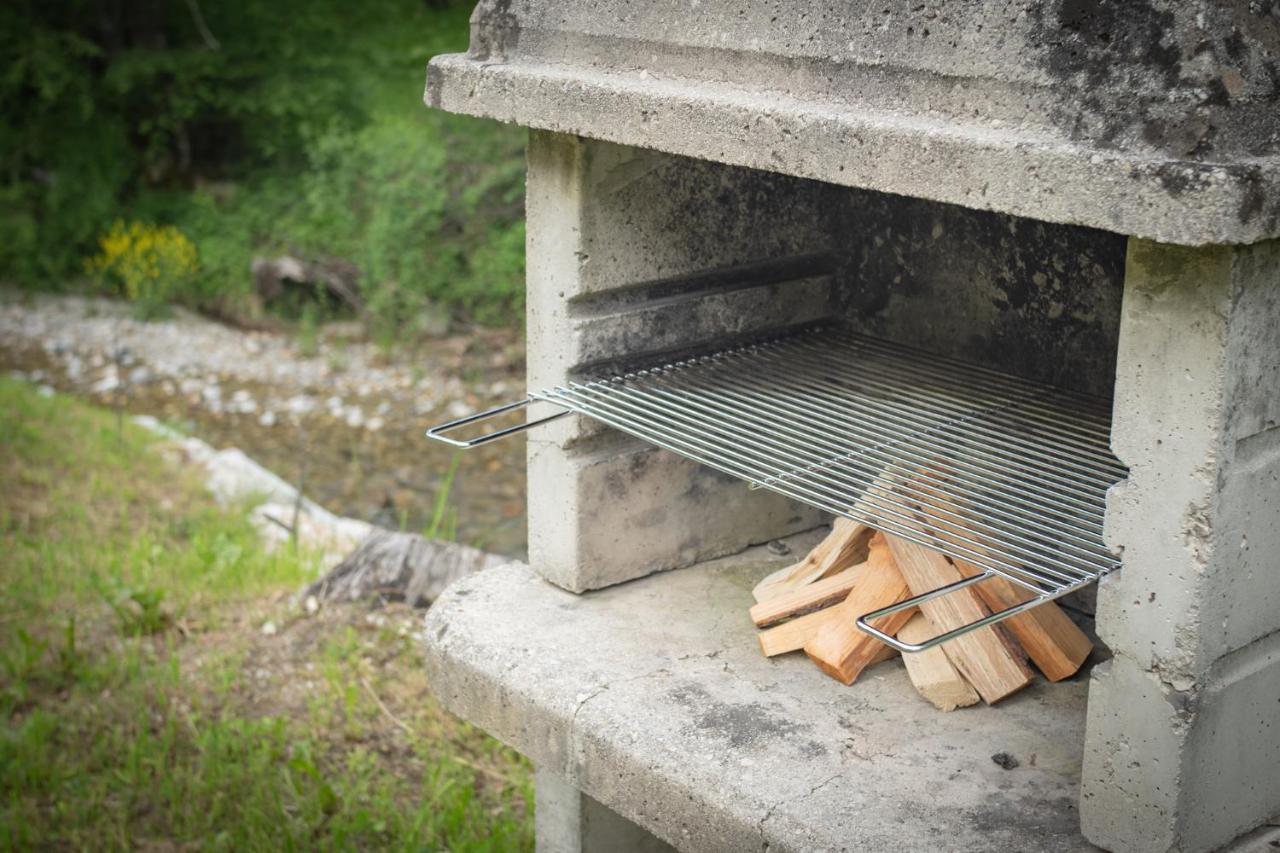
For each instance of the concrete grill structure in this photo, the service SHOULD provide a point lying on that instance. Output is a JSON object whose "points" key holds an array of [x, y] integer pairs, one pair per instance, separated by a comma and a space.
{"points": [[1082, 194]]}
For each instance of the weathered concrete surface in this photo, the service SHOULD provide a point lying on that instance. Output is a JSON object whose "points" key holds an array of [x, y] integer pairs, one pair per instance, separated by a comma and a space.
{"points": [[652, 698], [626, 257], [1150, 118], [1184, 724], [569, 821]]}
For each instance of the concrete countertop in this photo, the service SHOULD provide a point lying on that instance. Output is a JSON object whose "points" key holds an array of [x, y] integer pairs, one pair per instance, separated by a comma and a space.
{"points": [[653, 698]]}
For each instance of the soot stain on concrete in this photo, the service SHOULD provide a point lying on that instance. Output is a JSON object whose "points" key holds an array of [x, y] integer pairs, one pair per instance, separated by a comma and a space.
{"points": [[1141, 71], [1032, 298], [741, 724]]}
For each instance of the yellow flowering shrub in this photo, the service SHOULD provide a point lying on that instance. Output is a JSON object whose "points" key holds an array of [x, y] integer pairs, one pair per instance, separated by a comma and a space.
{"points": [[151, 263]]}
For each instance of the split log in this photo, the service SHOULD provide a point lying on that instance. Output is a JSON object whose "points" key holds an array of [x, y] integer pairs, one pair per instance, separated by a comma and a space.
{"points": [[985, 657], [932, 673], [844, 546], [400, 567], [839, 648], [806, 599], [1053, 642], [792, 635], [1056, 644]]}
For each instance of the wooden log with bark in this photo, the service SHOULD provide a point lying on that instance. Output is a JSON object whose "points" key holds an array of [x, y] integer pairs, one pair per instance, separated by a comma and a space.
{"points": [[405, 567]]}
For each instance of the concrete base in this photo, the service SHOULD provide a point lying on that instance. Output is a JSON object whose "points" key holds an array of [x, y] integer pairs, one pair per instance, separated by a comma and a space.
{"points": [[652, 698], [569, 821]]}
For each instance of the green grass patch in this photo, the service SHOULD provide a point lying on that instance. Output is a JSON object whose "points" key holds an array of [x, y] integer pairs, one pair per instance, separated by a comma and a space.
{"points": [[142, 704]]}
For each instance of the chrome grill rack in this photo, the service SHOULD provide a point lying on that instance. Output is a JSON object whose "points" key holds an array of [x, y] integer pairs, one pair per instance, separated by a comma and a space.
{"points": [[1003, 474]]}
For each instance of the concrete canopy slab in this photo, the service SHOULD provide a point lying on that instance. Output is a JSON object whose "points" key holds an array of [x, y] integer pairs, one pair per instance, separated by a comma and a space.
{"points": [[1158, 120], [653, 698]]}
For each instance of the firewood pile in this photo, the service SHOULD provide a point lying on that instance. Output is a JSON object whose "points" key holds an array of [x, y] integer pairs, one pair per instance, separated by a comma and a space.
{"points": [[812, 606]]}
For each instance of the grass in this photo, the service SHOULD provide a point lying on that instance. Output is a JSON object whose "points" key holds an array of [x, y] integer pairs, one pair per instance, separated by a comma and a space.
{"points": [[144, 704]]}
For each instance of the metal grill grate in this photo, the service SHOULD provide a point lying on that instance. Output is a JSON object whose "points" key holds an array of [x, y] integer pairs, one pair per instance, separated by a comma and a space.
{"points": [[1004, 474]]}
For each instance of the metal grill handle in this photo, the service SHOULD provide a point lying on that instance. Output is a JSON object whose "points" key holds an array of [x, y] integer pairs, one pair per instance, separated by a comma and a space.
{"points": [[864, 621], [438, 432]]}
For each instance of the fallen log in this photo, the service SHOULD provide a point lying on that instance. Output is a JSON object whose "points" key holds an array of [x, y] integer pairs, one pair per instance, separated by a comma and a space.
{"points": [[396, 566]]}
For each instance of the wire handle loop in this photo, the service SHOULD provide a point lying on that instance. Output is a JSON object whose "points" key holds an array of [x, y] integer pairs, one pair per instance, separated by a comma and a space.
{"points": [[864, 620], [438, 432]]}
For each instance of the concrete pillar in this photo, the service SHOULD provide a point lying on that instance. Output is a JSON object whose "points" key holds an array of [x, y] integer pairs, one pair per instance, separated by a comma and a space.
{"points": [[632, 255], [568, 821], [1183, 744]]}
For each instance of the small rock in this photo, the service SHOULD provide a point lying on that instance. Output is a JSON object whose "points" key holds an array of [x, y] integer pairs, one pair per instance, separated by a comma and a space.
{"points": [[1005, 760], [140, 376], [777, 546], [106, 384], [374, 424], [269, 629], [267, 419], [311, 605], [458, 409], [45, 391], [300, 404]]}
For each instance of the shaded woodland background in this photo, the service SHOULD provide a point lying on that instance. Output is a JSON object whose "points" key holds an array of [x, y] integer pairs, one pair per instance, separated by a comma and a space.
{"points": [[256, 129]]}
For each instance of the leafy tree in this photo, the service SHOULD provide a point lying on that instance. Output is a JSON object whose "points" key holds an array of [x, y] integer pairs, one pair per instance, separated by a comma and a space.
{"points": [[255, 126]]}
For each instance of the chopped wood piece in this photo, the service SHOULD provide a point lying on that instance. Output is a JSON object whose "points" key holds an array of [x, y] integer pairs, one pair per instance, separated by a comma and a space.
{"points": [[806, 599], [791, 636], [839, 648], [1049, 637], [885, 653], [985, 657], [932, 673], [844, 546]]}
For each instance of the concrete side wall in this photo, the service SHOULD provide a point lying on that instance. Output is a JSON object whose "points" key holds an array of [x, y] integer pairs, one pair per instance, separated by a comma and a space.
{"points": [[633, 256], [1184, 723]]}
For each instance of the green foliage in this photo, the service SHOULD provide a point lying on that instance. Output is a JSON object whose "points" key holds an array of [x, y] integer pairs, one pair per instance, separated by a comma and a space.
{"points": [[444, 518], [125, 739], [150, 263], [288, 126], [140, 611]]}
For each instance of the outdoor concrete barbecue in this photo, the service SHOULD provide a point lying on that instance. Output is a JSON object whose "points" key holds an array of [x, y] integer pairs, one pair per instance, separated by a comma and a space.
{"points": [[784, 258]]}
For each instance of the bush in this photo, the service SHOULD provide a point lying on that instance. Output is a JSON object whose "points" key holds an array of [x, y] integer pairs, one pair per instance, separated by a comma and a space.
{"points": [[152, 264], [257, 128]]}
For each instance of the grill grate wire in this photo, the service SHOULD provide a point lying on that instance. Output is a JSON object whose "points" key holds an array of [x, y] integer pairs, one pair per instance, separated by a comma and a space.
{"points": [[1005, 474]]}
